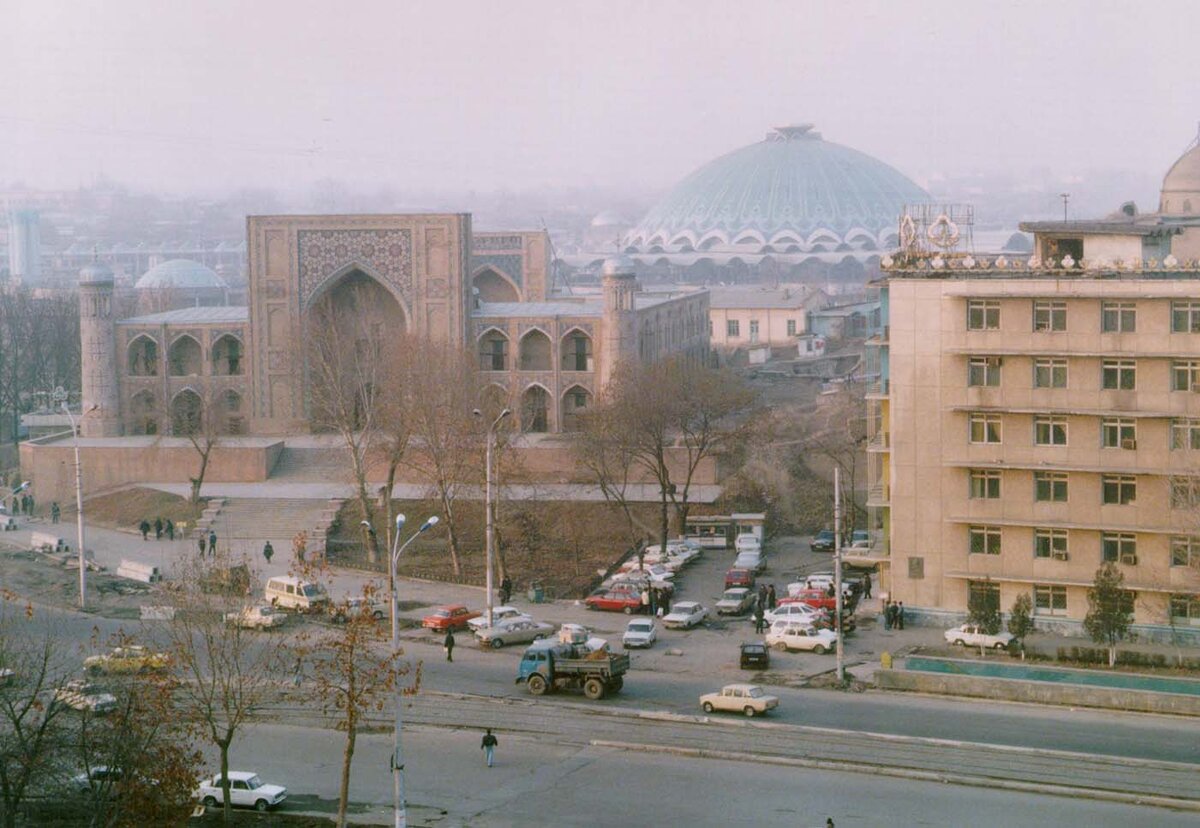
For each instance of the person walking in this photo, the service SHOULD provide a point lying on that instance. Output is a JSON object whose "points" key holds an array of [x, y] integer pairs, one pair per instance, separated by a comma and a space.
{"points": [[867, 585], [268, 551], [762, 595], [448, 645], [505, 589], [144, 528], [900, 614], [771, 596], [760, 622], [158, 528], [170, 529], [55, 512], [32, 507], [212, 543], [489, 746], [645, 599], [889, 613], [200, 543]]}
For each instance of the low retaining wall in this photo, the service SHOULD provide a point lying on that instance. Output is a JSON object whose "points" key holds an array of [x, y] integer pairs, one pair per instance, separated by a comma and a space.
{"points": [[1039, 692]]}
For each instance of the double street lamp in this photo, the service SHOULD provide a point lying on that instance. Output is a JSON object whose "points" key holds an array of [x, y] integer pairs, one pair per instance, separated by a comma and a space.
{"points": [[490, 505]]}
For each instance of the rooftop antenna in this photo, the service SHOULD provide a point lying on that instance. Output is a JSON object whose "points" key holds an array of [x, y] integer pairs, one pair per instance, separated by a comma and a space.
{"points": [[1066, 197]]}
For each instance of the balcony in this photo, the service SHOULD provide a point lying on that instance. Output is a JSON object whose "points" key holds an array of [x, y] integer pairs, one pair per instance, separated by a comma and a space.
{"points": [[880, 442], [877, 390], [878, 495]]}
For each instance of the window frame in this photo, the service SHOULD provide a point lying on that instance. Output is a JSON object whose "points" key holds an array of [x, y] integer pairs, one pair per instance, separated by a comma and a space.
{"points": [[1053, 483], [1049, 315], [1189, 371], [1053, 539], [791, 327], [1189, 546], [986, 421], [1123, 316], [1123, 373], [983, 371], [1115, 431], [1190, 427], [1122, 486], [733, 329], [984, 484], [1052, 427], [988, 312], [988, 539], [1186, 311], [1118, 547], [1049, 367], [1185, 492], [1052, 605], [1191, 605]]}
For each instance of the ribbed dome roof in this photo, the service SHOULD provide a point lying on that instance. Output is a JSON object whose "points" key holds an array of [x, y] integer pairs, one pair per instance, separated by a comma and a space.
{"points": [[791, 188], [180, 274]]}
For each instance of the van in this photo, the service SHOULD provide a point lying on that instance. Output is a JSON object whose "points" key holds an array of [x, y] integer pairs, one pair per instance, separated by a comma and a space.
{"points": [[293, 593]]}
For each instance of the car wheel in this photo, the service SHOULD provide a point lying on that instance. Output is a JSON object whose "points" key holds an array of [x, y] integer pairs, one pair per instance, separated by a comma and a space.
{"points": [[779, 646], [536, 684], [749, 711], [593, 689], [210, 802], [819, 649], [629, 610], [378, 615], [260, 806], [959, 642], [999, 645], [708, 708], [497, 643]]}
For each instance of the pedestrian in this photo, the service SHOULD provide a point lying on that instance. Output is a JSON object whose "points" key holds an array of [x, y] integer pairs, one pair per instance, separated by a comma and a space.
{"points": [[867, 585], [269, 550], [644, 598], [32, 506], [900, 615], [25, 508], [771, 596], [762, 595], [664, 605], [888, 615], [298, 671], [448, 645], [654, 593], [170, 529], [212, 543], [144, 527], [200, 543], [505, 589], [158, 528], [489, 746], [760, 621], [55, 512]]}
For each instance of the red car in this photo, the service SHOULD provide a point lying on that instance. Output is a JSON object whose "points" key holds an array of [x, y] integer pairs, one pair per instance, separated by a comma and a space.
{"points": [[603, 599], [739, 578], [813, 597], [450, 617]]}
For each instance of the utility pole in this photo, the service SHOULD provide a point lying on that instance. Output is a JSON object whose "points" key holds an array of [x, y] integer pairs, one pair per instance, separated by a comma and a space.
{"points": [[489, 501], [837, 568], [1066, 197]]}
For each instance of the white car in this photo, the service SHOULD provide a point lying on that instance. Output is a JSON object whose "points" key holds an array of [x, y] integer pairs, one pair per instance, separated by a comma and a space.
{"points": [[820, 580], [261, 617], [245, 790], [789, 636], [970, 635], [80, 694], [736, 601], [747, 542], [685, 615], [656, 571], [739, 698], [749, 560], [504, 613], [795, 612], [357, 605], [640, 632]]}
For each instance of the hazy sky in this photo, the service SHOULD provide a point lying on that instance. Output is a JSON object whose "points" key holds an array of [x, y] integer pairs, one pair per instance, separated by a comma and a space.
{"points": [[211, 94]]}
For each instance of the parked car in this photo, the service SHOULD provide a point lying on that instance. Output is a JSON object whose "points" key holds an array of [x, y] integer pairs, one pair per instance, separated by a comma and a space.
{"points": [[449, 617], [860, 539], [132, 658], [813, 597], [791, 635], [739, 698], [824, 581], [637, 581], [971, 635], [736, 601], [747, 542], [499, 615], [99, 778], [260, 617], [797, 612], [640, 632], [82, 695], [752, 560], [246, 790], [739, 577], [357, 605], [654, 570], [823, 542], [614, 601], [513, 631], [288, 592], [684, 615], [755, 656]]}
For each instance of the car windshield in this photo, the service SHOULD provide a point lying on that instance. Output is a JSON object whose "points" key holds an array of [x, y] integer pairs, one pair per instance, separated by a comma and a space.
{"points": [[733, 594], [442, 613], [312, 590], [640, 626], [253, 783], [754, 692]]}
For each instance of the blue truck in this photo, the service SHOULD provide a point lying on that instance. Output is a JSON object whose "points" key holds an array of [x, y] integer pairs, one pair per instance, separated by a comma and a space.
{"points": [[547, 666]]}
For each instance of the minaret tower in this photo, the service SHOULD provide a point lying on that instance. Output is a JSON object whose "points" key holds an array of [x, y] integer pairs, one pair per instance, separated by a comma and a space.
{"points": [[101, 411], [618, 324]]}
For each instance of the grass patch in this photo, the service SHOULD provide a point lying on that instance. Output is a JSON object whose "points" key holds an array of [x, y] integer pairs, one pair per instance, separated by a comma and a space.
{"points": [[126, 509]]}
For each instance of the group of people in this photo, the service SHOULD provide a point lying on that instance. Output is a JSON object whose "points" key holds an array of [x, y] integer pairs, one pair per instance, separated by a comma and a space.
{"points": [[161, 527], [209, 541], [893, 616], [656, 601], [767, 601], [23, 505]]}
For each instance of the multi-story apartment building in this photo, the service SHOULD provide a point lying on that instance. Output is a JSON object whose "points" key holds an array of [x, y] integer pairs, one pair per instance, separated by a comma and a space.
{"points": [[1036, 419]]}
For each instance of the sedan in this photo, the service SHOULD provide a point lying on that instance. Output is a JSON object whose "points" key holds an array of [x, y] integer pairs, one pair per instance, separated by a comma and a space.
{"points": [[245, 790], [739, 577], [814, 598], [499, 614], [129, 659], [656, 571], [739, 698], [788, 636], [639, 633], [798, 612], [755, 656], [610, 601], [513, 631], [685, 615], [450, 617], [973, 635], [736, 601], [823, 542], [84, 696], [749, 560]]}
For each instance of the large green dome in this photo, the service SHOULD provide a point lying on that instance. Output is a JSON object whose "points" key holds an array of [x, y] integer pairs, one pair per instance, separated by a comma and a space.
{"points": [[790, 193]]}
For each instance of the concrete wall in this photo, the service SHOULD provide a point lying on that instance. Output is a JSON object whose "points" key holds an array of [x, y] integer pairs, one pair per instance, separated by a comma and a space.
{"points": [[772, 325]]}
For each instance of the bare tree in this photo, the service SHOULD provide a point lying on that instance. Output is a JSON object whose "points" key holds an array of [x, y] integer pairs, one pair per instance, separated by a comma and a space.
{"points": [[204, 418], [599, 448], [39, 347], [225, 674]]}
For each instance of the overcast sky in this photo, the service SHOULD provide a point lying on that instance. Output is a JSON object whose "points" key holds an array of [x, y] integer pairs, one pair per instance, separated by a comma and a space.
{"points": [[209, 94]]}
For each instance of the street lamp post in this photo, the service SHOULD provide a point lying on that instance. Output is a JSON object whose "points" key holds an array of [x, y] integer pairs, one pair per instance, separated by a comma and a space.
{"points": [[489, 501], [60, 395], [837, 570], [398, 807]]}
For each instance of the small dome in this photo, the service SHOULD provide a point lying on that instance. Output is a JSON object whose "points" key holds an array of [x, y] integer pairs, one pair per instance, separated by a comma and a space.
{"points": [[1181, 185], [180, 274], [96, 273], [617, 266]]}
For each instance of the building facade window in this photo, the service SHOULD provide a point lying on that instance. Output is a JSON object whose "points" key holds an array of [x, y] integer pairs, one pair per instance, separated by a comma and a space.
{"points": [[1118, 432], [1185, 551], [1118, 374], [733, 328], [985, 592], [1049, 600], [1049, 431], [1185, 317], [1049, 373], [1185, 375], [1049, 316], [1118, 547], [985, 484], [1118, 317], [983, 371], [983, 428], [1050, 487], [754, 330], [984, 540], [1185, 434], [1050, 544], [791, 327], [1185, 492], [983, 314], [1118, 489], [1186, 608]]}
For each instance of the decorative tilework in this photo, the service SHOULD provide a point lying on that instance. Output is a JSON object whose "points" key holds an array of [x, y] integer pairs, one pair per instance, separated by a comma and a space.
{"points": [[388, 253], [511, 264], [483, 243]]}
